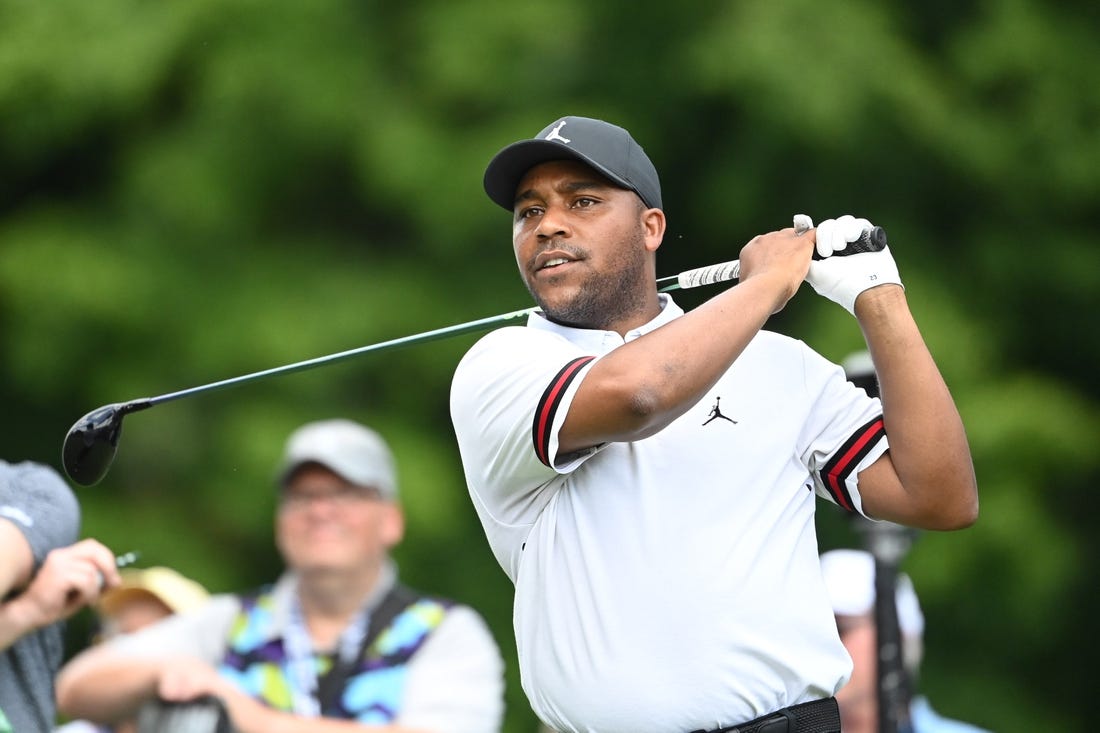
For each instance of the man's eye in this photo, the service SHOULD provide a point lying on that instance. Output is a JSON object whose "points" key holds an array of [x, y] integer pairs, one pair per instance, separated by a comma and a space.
{"points": [[583, 202], [528, 212]]}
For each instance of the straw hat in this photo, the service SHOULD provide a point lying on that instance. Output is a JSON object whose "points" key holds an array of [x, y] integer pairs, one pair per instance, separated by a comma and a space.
{"points": [[164, 584]]}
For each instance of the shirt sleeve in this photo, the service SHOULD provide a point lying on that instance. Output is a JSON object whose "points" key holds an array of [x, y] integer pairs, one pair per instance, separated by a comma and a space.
{"points": [[843, 434], [41, 505], [456, 680], [509, 399]]}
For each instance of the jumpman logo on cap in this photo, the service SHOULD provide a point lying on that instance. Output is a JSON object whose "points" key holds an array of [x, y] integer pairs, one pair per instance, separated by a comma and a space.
{"points": [[716, 413], [556, 135]]}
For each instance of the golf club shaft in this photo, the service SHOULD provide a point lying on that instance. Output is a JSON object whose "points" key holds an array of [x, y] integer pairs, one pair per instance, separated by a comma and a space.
{"points": [[687, 279], [872, 240], [483, 324]]}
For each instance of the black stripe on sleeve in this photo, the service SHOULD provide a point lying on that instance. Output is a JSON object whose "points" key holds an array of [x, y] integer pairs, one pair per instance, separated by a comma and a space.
{"points": [[548, 406], [835, 472]]}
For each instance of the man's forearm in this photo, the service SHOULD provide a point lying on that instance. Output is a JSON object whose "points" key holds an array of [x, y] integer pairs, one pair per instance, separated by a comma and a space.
{"points": [[642, 386], [928, 445], [14, 623], [251, 716], [101, 686], [15, 571]]}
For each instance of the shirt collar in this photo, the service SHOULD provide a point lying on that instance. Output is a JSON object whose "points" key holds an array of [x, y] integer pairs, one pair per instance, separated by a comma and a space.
{"points": [[599, 341], [287, 585]]}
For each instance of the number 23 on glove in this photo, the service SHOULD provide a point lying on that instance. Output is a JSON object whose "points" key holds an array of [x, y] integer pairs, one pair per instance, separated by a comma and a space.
{"points": [[841, 277]]}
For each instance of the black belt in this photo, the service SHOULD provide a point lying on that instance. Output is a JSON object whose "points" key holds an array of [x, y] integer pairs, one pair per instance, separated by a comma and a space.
{"points": [[818, 716]]}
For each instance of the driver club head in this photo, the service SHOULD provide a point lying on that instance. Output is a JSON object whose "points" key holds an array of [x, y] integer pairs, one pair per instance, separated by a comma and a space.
{"points": [[92, 442]]}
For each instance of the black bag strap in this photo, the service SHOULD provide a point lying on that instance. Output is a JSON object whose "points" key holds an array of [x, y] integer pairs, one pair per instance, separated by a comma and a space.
{"points": [[397, 600]]}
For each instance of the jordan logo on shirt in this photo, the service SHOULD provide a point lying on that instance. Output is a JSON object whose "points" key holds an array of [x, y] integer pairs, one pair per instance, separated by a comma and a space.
{"points": [[716, 413]]}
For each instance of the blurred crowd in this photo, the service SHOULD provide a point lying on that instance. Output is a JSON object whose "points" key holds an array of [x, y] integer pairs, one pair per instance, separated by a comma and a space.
{"points": [[336, 638]]}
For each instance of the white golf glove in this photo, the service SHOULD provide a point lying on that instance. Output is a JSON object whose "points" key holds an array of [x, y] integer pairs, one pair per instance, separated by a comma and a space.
{"points": [[840, 277]]}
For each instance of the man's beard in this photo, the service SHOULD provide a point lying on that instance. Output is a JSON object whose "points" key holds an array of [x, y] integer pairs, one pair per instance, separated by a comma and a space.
{"points": [[606, 298]]}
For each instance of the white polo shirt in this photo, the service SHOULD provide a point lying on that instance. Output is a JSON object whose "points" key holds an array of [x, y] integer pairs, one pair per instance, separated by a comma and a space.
{"points": [[672, 583]]}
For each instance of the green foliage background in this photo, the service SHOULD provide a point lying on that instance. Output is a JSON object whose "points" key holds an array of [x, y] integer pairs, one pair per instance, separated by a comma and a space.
{"points": [[199, 189]]}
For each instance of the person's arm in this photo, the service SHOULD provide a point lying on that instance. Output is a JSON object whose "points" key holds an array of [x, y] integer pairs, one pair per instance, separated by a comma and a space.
{"points": [[18, 563], [251, 716], [927, 478], [15, 571], [105, 687], [69, 579], [109, 682], [642, 386], [187, 680], [172, 660], [136, 681]]}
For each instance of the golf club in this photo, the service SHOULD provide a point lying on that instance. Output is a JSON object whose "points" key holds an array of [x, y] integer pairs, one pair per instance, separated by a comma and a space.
{"points": [[92, 442]]}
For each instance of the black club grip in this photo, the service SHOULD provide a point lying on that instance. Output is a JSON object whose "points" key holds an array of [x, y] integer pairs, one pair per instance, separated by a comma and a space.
{"points": [[872, 240]]}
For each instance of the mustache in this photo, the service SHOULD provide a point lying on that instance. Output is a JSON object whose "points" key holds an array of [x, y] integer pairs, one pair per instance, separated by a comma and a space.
{"points": [[574, 251]]}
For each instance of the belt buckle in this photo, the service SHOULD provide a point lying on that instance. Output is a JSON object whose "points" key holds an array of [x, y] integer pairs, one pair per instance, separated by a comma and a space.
{"points": [[780, 723]]}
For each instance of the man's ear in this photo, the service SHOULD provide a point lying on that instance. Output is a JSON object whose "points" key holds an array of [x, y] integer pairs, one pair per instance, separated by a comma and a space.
{"points": [[653, 221], [393, 525]]}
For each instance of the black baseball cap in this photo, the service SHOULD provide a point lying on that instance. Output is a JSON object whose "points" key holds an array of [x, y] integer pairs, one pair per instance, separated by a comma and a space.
{"points": [[609, 149]]}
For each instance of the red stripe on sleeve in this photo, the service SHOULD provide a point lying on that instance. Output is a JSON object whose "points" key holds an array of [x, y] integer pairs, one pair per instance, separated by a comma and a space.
{"points": [[846, 462], [548, 406]]}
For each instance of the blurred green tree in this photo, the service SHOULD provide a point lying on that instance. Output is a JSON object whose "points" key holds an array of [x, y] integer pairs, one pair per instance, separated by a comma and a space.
{"points": [[199, 189]]}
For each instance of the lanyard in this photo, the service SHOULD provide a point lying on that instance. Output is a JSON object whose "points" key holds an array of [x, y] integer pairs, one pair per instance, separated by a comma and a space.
{"points": [[302, 662]]}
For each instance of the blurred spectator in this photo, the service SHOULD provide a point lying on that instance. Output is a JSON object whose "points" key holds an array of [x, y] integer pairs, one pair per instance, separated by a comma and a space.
{"points": [[336, 637], [144, 596], [45, 577], [850, 582]]}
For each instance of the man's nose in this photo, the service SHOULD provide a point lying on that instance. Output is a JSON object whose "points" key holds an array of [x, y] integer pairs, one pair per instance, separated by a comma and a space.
{"points": [[554, 222]]}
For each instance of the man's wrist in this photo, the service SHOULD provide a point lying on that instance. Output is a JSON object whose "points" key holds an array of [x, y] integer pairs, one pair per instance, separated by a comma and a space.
{"points": [[17, 619], [773, 289], [879, 299]]}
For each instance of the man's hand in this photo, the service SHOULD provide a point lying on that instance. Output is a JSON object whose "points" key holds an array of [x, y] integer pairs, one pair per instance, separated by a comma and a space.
{"points": [[782, 257], [69, 579], [187, 679], [841, 279]]}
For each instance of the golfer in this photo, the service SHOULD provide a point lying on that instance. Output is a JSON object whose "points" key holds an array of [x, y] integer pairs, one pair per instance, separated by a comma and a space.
{"points": [[646, 477]]}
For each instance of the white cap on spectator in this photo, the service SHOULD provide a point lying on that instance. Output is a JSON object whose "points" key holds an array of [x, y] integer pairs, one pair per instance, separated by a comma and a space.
{"points": [[850, 581], [353, 451]]}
